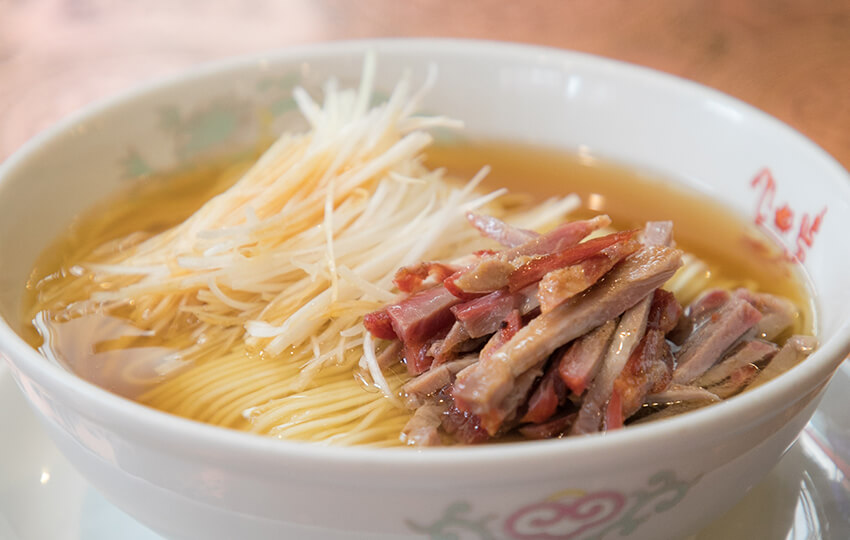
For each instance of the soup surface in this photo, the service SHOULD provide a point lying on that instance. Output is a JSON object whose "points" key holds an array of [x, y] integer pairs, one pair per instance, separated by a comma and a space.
{"points": [[237, 385]]}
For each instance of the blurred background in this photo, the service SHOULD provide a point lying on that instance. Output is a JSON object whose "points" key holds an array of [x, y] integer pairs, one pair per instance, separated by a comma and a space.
{"points": [[790, 58]]}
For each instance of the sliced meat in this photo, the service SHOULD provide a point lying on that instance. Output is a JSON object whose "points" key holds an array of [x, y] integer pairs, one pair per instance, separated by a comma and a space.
{"points": [[418, 389], [483, 316], [736, 382], [555, 427], [649, 368], [778, 314], [483, 386], [580, 362], [379, 324], [421, 315], [705, 346], [456, 341], [561, 284], [677, 393], [748, 352], [507, 329], [390, 355], [658, 233], [488, 275], [498, 230], [491, 272], [465, 427], [411, 279], [551, 392], [416, 358], [423, 427], [532, 270], [628, 334], [506, 411], [792, 353], [614, 418], [559, 238], [697, 313]]}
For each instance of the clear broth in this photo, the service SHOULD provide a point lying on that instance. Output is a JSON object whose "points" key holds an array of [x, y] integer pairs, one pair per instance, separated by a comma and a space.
{"points": [[734, 251]]}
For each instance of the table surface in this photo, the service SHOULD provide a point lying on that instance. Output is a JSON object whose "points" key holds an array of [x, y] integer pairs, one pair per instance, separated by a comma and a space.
{"points": [[790, 58]]}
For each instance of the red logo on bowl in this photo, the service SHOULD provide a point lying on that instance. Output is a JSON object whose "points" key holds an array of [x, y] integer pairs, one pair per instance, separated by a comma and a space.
{"points": [[781, 218]]}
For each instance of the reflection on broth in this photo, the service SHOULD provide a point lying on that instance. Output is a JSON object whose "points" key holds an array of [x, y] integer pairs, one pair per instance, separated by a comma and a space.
{"points": [[177, 330]]}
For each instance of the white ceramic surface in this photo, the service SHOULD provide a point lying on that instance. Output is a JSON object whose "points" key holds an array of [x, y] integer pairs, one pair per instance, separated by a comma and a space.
{"points": [[805, 497], [662, 480]]}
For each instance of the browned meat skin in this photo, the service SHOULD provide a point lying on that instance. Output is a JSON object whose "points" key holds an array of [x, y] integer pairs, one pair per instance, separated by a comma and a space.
{"points": [[748, 352], [706, 345], [414, 278], [629, 332], [792, 353], [498, 230], [697, 313], [580, 362], [561, 284], [422, 428], [482, 387], [556, 427], [778, 314], [491, 272], [418, 389]]}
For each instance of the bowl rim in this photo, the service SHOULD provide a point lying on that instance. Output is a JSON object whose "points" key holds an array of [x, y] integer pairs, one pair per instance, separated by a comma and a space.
{"points": [[168, 431]]}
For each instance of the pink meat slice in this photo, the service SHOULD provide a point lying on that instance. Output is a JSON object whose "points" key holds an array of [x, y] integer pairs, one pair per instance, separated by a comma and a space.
{"points": [[705, 346], [649, 367], [796, 348], [423, 427], [482, 316], [550, 393], [628, 334], [697, 313], [752, 351], [498, 230], [658, 233], [418, 389], [778, 314], [422, 314], [480, 388], [557, 426], [580, 362], [676, 393]]}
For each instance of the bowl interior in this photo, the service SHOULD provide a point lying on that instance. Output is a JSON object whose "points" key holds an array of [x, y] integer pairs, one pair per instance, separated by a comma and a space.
{"points": [[691, 135]]}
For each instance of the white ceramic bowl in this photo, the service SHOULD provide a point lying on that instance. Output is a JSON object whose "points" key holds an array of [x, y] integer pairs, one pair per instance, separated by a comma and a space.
{"points": [[662, 480]]}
